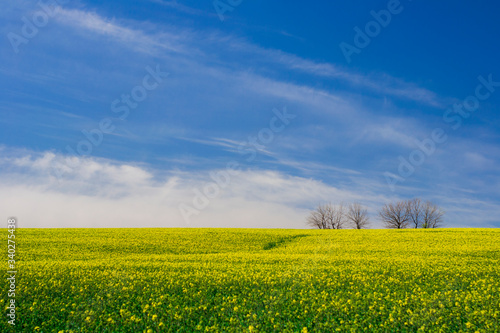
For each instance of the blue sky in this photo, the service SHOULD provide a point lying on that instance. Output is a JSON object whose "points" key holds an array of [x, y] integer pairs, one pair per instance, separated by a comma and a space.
{"points": [[172, 92]]}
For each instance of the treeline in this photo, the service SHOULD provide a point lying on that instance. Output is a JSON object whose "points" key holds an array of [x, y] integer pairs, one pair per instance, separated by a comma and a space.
{"points": [[413, 213]]}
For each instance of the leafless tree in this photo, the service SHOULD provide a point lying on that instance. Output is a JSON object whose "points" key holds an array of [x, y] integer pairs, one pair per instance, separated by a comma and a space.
{"points": [[396, 215], [432, 215], [338, 217], [318, 218], [416, 212], [357, 216], [327, 216]]}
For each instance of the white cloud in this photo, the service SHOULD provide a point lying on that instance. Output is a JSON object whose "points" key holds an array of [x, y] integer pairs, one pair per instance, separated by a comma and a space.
{"points": [[389, 133], [160, 38], [103, 193], [379, 82], [343, 111], [478, 161], [134, 38], [182, 8]]}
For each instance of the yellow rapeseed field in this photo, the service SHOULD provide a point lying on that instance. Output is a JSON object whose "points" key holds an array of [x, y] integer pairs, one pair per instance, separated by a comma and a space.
{"points": [[254, 280]]}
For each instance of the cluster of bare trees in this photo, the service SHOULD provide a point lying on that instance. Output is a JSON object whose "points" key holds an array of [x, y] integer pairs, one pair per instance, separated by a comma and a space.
{"points": [[339, 216], [413, 213]]}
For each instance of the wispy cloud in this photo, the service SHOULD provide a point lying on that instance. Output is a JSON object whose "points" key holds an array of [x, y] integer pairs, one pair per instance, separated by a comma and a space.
{"points": [[182, 8], [186, 42], [132, 37], [227, 144], [376, 82], [313, 167]]}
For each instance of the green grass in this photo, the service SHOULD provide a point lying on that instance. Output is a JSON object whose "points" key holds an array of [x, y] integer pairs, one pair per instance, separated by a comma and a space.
{"points": [[250, 280]]}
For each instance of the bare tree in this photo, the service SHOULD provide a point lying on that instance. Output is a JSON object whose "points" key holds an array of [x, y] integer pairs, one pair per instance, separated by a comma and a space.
{"points": [[319, 218], [396, 215], [432, 215], [327, 216], [416, 211], [338, 217], [357, 215]]}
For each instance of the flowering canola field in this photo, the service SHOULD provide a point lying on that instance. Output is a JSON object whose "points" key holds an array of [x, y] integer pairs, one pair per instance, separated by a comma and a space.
{"points": [[254, 280]]}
